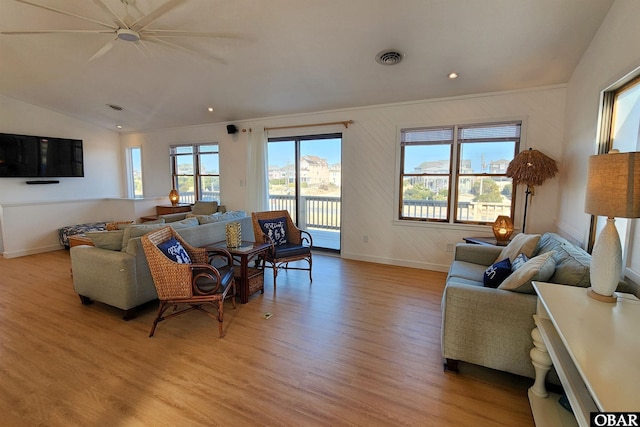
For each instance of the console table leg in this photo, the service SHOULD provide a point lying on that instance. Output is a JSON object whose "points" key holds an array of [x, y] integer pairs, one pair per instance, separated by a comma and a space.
{"points": [[541, 362]]}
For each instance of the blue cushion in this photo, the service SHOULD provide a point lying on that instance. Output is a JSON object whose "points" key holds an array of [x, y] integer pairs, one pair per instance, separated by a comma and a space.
{"points": [[496, 273], [174, 250], [276, 229], [290, 249]]}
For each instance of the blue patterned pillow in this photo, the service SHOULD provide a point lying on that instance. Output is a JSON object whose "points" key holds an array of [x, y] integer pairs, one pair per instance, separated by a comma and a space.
{"points": [[276, 229], [496, 273], [174, 250], [518, 262]]}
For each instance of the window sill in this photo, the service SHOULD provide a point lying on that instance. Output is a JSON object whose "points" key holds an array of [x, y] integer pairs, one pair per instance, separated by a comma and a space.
{"points": [[444, 226]]}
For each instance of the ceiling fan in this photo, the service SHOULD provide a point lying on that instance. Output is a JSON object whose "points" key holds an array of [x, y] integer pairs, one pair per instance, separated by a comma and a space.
{"points": [[129, 29]]}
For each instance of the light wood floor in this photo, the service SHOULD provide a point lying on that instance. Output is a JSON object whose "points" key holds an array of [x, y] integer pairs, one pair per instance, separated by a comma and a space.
{"points": [[360, 346]]}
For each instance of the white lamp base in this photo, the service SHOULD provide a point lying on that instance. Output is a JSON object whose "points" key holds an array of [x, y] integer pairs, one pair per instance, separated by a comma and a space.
{"points": [[602, 298], [606, 264]]}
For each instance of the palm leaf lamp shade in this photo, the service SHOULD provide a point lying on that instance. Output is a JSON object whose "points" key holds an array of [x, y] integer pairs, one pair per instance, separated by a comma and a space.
{"points": [[613, 190], [531, 167]]}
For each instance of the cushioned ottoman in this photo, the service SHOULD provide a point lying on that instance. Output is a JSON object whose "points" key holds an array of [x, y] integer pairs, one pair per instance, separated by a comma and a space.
{"points": [[71, 230]]}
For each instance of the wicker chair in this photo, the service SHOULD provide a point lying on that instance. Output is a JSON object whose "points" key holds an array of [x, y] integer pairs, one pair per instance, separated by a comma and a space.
{"points": [[298, 246], [197, 284]]}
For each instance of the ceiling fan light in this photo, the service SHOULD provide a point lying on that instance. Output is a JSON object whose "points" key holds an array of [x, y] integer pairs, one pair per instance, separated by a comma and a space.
{"points": [[128, 35]]}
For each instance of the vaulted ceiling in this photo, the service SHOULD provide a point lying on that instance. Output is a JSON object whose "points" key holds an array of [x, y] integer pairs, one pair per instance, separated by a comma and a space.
{"points": [[282, 57]]}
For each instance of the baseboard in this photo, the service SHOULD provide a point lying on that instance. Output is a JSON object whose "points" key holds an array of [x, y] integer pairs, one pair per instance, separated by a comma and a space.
{"points": [[33, 251], [396, 262]]}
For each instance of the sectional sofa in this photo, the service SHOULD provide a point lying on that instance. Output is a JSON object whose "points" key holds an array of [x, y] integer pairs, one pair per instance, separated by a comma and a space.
{"points": [[115, 270]]}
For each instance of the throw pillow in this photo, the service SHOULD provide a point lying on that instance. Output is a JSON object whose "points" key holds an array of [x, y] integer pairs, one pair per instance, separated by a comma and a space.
{"points": [[185, 223], [208, 219], [521, 244], [204, 208], [137, 230], [519, 262], [275, 229], [174, 250], [496, 273], [116, 225], [539, 268], [111, 240]]}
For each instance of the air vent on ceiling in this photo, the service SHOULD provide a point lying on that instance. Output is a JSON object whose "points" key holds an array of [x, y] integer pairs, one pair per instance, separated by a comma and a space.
{"points": [[389, 57]]}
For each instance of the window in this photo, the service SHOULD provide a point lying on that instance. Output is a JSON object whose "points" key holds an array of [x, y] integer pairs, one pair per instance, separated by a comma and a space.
{"points": [[473, 157], [134, 172], [195, 172], [620, 129]]}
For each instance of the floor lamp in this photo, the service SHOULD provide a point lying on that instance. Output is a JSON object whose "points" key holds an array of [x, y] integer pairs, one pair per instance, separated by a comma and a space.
{"points": [[613, 190], [531, 167]]}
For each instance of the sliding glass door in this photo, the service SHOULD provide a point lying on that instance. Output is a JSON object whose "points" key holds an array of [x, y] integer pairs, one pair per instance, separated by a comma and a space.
{"points": [[305, 179]]}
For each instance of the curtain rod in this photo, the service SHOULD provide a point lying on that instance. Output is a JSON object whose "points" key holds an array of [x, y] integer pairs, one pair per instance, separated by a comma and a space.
{"points": [[345, 123]]}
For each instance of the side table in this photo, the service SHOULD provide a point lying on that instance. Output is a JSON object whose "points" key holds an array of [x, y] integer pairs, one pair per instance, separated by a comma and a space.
{"points": [[171, 209], [79, 239], [486, 241], [592, 345], [248, 280]]}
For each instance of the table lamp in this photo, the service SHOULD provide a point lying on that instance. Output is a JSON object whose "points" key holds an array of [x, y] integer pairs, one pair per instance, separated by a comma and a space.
{"points": [[174, 197], [613, 190], [502, 229]]}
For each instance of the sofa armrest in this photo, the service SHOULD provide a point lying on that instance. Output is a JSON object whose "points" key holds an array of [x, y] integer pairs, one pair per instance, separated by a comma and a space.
{"points": [[488, 327], [105, 276], [477, 254]]}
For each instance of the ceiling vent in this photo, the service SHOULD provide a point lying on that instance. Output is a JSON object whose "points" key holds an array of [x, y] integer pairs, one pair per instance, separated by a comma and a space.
{"points": [[115, 107], [389, 57]]}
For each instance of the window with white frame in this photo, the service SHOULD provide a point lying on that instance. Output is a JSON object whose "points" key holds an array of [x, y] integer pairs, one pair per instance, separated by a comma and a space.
{"points": [[457, 174], [195, 171], [134, 173]]}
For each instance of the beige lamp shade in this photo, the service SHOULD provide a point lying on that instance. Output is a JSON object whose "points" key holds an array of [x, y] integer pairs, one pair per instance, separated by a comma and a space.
{"points": [[174, 197], [613, 191], [613, 187]]}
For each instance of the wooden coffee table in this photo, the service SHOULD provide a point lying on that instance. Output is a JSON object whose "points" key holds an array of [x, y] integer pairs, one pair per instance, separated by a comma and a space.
{"points": [[248, 280]]}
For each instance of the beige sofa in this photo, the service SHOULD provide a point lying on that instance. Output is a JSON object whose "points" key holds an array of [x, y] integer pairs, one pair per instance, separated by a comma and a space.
{"points": [[115, 271], [490, 326]]}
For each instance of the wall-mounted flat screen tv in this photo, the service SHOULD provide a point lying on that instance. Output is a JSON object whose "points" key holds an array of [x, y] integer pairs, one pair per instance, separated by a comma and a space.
{"points": [[27, 156]]}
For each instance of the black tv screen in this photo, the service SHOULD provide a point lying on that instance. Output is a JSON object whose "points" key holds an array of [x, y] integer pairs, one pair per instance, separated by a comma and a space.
{"points": [[28, 156]]}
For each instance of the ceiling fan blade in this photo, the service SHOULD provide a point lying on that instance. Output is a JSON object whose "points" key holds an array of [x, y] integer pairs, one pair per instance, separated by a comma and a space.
{"points": [[104, 49], [59, 31], [151, 17], [110, 12], [178, 33], [142, 48], [63, 12], [184, 49]]}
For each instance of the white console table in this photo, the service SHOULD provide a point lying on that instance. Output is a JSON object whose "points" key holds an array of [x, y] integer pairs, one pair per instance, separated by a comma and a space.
{"points": [[595, 349]]}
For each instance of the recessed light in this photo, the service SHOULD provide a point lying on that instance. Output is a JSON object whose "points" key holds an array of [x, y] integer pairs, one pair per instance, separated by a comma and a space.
{"points": [[453, 76], [210, 109], [119, 126]]}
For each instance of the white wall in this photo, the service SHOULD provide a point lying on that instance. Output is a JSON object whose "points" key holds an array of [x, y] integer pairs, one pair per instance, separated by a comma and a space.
{"points": [[612, 55], [369, 167], [34, 228]]}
